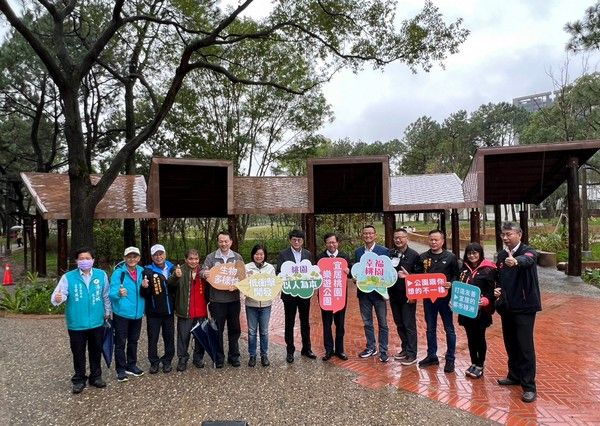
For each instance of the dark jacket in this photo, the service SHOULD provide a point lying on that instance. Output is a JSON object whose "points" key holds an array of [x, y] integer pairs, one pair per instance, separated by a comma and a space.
{"points": [[160, 298], [443, 263], [183, 287], [484, 277], [519, 284], [287, 255], [409, 260]]}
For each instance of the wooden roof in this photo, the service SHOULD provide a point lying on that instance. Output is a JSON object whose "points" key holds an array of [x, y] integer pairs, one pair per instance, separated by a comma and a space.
{"points": [[270, 195], [126, 197]]}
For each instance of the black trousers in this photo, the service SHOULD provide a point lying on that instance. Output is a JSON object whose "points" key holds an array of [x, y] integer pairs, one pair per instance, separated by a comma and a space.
{"points": [[154, 326], [79, 339], [405, 318], [476, 342], [184, 327], [291, 305], [517, 330], [127, 334], [227, 313], [329, 318]]}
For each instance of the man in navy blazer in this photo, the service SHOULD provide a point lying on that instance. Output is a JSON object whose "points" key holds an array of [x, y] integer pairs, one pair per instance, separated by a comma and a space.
{"points": [[291, 304], [368, 301]]}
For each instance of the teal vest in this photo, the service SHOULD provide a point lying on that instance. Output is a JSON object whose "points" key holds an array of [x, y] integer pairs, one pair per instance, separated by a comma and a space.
{"points": [[85, 306]]}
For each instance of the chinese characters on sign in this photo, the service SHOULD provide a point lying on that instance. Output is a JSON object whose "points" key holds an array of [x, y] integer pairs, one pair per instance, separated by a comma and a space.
{"points": [[465, 299], [225, 276], [261, 287], [374, 273], [332, 294], [425, 286], [300, 279]]}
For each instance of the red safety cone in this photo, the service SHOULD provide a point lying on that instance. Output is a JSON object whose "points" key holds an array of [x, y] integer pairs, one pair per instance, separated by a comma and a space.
{"points": [[8, 278]]}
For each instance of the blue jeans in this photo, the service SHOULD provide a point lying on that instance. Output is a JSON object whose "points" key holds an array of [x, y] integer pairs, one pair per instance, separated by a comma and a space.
{"points": [[368, 301], [258, 319], [431, 313]]}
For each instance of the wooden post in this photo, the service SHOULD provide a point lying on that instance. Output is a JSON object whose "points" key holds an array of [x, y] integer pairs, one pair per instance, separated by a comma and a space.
{"points": [[311, 233], [585, 230], [62, 261], [574, 210], [31, 224], [475, 223], [232, 223], [524, 222], [498, 227], [41, 231], [454, 225], [442, 226], [144, 242], [152, 232], [389, 224]]}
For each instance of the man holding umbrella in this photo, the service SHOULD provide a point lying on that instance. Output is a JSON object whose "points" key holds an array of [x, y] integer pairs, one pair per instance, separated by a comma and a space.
{"points": [[85, 291]]}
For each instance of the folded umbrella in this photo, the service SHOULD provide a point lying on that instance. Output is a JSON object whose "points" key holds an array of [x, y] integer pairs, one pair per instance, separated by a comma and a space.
{"points": [[108, 343], [206, 334]]}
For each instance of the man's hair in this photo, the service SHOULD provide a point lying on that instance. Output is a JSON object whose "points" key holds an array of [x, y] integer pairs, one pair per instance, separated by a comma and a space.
{"points": [[401, 230], [438, 231], [329, 235], [189, 252], [296, 233], [369, 226], [224, 233], [80, 250], [511, 226]]}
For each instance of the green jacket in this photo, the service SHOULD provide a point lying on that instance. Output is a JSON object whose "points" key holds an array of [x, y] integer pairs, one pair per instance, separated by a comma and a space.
{"points": [[182, 288]]}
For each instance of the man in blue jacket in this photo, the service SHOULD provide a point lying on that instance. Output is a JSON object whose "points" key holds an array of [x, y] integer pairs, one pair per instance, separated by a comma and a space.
{"points": [[159, 309], [518, 301], [85, 291], [373, 300]]}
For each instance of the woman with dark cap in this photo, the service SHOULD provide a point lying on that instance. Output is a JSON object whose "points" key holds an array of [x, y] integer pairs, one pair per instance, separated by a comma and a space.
{"points": [[479, 272]]}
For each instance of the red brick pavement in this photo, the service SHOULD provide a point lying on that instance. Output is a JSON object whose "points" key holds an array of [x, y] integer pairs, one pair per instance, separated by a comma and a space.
{"points": [[568, 367]]}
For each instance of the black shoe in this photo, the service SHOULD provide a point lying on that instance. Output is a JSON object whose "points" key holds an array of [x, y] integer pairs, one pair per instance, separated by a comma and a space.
{"points": [[198, 363], [264, 360], [79, 387], [153, 368], [235, 362], [529, 396], [219, 364], [428, 361], [289, 358], [98, 383], [342, 356], [327, 356], [449, 366], [182, 365], [167, 368], [308, 354], [252, 361], [507, 382]]}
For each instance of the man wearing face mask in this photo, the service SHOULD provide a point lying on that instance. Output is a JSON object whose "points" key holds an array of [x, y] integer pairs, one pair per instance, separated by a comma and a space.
{"points": [[85, 291]]}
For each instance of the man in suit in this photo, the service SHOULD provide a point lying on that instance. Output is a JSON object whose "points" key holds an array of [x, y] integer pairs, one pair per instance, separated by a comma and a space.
{"points": [[331, 243], [291, 304], [373, 300], [518, 302]]}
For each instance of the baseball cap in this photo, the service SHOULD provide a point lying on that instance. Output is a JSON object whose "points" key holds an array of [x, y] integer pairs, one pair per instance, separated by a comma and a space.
{"points": [[157, 247], [130, 250]]}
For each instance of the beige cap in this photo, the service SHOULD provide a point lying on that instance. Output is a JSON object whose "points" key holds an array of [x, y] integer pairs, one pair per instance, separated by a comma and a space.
{"points": [[130, 250]]}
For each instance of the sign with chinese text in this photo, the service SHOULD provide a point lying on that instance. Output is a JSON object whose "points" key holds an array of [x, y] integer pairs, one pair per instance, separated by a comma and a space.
{"points": [[300, 279], [332, 294], [374, 273], [261, 287], [425, 286], [465, 299], [225, 276]]}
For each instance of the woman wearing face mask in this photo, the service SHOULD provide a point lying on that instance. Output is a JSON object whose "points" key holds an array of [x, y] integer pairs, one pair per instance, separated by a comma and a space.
{"points": [[85, 291], [479, 272]]}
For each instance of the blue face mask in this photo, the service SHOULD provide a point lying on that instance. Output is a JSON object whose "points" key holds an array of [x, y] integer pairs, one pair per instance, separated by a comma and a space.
{"points": [[85, 264]]}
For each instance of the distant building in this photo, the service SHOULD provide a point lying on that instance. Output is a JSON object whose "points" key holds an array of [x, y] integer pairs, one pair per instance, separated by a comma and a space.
{"points": [[533, 103]]}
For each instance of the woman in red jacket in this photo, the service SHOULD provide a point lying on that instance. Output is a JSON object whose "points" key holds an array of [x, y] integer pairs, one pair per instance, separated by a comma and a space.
{"points": [[480, 272]]}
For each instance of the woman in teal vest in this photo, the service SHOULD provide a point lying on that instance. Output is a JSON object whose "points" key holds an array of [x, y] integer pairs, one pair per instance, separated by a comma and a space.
{"points": [[128, 310], [85, 291]]}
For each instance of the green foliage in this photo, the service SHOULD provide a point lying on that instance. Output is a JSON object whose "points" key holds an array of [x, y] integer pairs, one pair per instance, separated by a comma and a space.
{"points": [[552, 242], [591, 276], [29, 297], [109, 241], [585, 33]]}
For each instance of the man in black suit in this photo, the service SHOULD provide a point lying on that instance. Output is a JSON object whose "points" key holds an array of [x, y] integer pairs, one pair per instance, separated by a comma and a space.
{"points": [[331, 243], [291, 304]]}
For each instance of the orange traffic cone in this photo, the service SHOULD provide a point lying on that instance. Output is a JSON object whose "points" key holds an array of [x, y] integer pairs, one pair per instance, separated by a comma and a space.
{"points": [[8, 278]]}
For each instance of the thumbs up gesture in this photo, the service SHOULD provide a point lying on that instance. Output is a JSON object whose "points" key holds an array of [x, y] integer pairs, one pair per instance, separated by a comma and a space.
{"points": [[58, 297], [145, 282], [178, 271], [510, 260]]}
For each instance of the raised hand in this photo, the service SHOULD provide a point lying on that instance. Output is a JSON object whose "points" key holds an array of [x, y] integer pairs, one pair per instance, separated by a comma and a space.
{"points": [[58, 297], [178, 271], [510, 260], [145, 282]]}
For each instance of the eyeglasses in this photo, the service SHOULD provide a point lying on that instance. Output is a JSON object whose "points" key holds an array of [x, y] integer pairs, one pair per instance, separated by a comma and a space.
{"points": [[473, 253]]}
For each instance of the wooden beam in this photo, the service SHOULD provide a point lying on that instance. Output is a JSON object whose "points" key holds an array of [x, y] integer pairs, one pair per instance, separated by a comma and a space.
{"points": [[498, 227], [389, 224], [454, 226], [574, 210]]}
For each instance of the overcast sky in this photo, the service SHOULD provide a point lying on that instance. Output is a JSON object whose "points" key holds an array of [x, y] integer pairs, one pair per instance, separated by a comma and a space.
{"points": [[513, 47]]}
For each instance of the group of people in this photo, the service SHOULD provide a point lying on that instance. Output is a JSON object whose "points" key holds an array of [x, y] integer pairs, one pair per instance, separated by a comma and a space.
{"points": [[164, 291]]}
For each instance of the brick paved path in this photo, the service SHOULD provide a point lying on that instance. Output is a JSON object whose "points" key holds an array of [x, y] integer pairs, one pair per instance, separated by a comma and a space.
{"points": [[567, 337]]}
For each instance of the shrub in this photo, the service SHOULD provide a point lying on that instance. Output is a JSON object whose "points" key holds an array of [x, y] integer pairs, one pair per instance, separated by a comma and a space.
{"points": [[30, 297]]}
